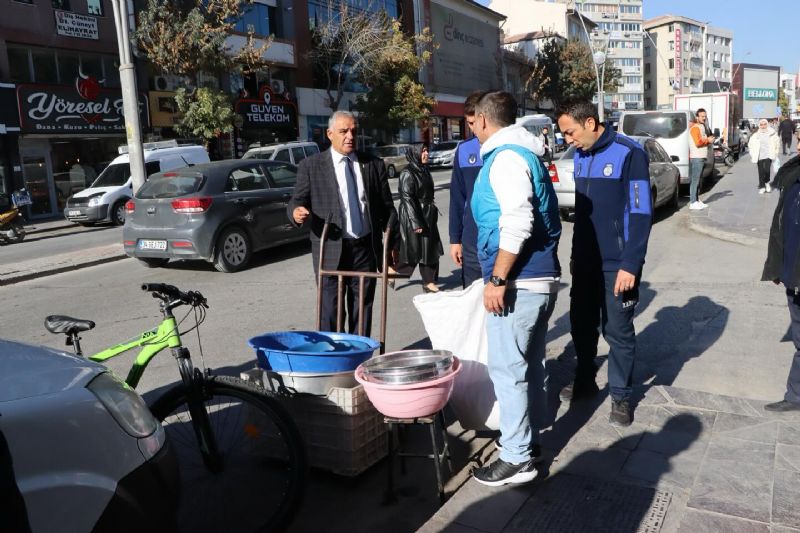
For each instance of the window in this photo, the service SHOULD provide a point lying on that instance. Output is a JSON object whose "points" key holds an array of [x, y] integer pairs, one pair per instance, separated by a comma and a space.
{"points": [[652, 152], [24, 1], [44, 66], [671, 45], [647, 51], [246, 179], [647, 68], [282, 175], [258, 19], [282, 155], [298, 154], [671, 28], [94, 7], [671, 63], [647, 86], [311, 149], [61, 4], [19, 65]]}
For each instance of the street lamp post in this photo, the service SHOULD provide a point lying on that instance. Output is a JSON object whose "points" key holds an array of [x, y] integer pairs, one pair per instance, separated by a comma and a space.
{"points": [[130, 98], [599, 59]]}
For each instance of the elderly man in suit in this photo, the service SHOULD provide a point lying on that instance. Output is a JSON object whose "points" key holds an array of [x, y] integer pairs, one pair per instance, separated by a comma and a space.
{"points": [[349, 189]]}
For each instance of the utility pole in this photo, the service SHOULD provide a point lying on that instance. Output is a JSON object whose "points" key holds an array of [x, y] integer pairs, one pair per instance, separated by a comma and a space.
{"points": [[130, 96]]}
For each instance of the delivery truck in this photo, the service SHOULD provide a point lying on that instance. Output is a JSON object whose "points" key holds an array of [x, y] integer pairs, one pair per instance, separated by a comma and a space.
{"points": [[722, 119]]}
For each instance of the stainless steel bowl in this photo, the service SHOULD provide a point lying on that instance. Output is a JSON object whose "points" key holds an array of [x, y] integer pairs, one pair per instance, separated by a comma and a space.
{"points": [[409, 366]]}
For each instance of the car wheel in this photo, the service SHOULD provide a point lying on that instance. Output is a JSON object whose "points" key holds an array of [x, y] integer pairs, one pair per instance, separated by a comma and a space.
{"points": [[391, 171], [86, 224], [729, 160], [153, 262], [233, 250], [653, 197], [118, 213]]}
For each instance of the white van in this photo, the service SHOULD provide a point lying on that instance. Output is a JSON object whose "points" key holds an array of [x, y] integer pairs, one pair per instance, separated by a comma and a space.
{"points": [[535, 123], [104, 200], [290, 152], [671, 129]]}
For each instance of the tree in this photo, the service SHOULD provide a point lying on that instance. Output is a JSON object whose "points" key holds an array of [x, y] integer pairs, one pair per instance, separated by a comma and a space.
{"points": [[567, 72], [371, 49], [783, 103], [189, 38]]}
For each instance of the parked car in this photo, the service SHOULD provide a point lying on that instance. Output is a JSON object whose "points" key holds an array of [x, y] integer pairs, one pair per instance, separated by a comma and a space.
{"points": [[442, 154], [104, 200], [394, 157], [290, 152], [671, 130], [81, 450], [664, 177], [220, 212]]}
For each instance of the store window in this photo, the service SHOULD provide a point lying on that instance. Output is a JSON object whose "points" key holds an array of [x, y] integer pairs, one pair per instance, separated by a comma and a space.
{"points": [[77, 163], [94, 7], [61, 4], [44, 66]]}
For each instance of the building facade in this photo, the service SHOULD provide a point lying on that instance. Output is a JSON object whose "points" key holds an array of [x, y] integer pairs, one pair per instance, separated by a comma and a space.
{"points": [[683, 55], [789, 86], [526, 16], [757, 88]]}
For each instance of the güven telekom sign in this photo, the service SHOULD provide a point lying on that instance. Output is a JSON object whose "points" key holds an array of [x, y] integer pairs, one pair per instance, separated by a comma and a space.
{"points": [[760, 94]]}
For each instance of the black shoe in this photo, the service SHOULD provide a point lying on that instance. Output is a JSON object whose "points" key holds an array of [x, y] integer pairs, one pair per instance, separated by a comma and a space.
{"points": [[620, 413], [579, 389], [782, 406], [502, 473]]}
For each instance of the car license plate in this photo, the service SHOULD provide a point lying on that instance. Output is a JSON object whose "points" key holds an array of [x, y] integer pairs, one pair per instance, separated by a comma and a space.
{"points": [[145, 244], [74, 213]]}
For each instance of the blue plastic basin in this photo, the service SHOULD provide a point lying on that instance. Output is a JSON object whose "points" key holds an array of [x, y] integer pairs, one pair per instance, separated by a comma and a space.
{"points": [[312, 351]]}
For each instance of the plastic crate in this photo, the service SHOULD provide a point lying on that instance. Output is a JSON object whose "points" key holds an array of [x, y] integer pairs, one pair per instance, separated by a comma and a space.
{"points": [[350, 462]]}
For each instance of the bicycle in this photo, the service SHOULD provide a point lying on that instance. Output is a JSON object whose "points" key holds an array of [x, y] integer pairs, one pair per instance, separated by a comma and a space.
{"points": [[237, 447]]}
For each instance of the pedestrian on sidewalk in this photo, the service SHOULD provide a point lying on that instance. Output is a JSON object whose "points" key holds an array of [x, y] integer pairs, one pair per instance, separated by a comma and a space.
{"points": [[418, 215], [350, 190], [467, 163], [783, 267], [547, 157], [764, 146], [698, 153], [786, 131], [613, 214], [516, 211]]}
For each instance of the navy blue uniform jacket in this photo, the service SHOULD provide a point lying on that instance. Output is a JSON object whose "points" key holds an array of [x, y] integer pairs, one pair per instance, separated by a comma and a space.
{"points": [[613, 211], [466, 166]]}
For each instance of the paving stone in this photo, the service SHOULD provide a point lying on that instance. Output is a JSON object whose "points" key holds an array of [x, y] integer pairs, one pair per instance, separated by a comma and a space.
{"points": [[667, 417], [781, 529], [567, 504], [785, 508], [747, 428], [483, 508], [653, 396], [672, 443], [714, 402], [699, 521], [788, 434], [603, 464], [787, 457], [735, 479], [438, 525]]}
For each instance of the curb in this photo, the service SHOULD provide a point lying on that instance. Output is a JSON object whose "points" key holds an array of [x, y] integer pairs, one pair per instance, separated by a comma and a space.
{"points": [[49, 271], [723, 235], [36, 229]]}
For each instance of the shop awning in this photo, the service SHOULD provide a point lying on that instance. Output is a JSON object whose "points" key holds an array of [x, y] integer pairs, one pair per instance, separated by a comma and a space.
{"points": [[448, 109]]}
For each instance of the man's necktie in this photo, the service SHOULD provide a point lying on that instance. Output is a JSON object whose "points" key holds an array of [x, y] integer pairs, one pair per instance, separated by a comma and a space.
{"points": [[354, 206]]}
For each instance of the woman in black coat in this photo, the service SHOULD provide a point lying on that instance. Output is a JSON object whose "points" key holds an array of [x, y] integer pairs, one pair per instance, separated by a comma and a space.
{"points": [[419, 234]]}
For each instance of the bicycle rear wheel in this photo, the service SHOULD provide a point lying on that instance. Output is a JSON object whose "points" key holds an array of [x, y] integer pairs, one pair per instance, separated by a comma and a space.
{"points": [[263, 474]]}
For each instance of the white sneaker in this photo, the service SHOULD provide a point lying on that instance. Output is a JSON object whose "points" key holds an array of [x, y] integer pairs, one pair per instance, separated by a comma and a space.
{"points": [[761, 190], [695, 206], [769, 189]]}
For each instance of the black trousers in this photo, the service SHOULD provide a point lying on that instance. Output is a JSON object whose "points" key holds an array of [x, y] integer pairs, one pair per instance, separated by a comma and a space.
{"points": [[764, 168], [793, 381], [786, 143], [358, 256]]}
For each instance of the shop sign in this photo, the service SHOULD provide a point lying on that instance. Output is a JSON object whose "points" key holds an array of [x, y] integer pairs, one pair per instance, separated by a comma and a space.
{"points": [[163, 109], [85, 107], [268, 111], [751, 93], [74, 25], [678, 61]]}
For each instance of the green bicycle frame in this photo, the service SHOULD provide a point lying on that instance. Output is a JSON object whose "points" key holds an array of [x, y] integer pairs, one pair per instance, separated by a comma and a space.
{"points": [[152, 341]]}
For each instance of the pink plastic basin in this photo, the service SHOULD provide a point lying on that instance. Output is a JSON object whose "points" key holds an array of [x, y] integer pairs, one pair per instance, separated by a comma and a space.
{"points": [[411, 400]]}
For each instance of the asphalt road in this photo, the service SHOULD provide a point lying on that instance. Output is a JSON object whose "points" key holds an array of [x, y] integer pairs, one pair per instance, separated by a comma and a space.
{"points": [[46, 243]]}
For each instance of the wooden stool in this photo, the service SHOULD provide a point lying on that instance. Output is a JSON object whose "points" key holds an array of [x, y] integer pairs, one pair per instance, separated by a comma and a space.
{"points": [[395, 450]]}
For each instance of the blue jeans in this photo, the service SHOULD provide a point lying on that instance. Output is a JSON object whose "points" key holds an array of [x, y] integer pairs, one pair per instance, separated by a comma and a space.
{"points": [[516, 367], [594, 305], [695, 170]]}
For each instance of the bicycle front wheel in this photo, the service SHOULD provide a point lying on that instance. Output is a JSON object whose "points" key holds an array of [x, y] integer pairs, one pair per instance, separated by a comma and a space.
{"points": [[260, 482]]}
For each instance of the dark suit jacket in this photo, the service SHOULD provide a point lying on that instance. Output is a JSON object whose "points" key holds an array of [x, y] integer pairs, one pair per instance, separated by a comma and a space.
{"points": [[317, 190]]}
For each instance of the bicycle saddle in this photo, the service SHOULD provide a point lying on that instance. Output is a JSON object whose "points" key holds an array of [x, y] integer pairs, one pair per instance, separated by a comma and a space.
{"points": [[66, 324]]}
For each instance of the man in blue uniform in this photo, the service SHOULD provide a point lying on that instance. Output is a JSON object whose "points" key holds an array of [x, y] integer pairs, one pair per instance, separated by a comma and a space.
{"points": [[613, 215], [463, 231]]}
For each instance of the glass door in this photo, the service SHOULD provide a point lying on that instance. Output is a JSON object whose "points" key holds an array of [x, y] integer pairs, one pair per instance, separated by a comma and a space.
{"points": [[39, 183]]}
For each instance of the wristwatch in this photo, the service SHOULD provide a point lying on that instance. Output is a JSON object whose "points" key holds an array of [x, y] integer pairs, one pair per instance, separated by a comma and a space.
{"points": [[497, 281]]}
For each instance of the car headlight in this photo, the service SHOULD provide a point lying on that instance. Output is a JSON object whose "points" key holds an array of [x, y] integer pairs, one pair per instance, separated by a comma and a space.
{"points": [[94, 201], [127, 407]]}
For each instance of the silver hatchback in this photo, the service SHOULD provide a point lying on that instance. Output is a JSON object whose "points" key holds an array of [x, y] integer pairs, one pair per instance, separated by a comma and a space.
{"points": [[220, 212]]}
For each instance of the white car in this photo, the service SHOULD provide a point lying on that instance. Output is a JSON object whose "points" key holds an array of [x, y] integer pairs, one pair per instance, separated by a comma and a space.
{"points": [[562, 176], [79, 450], [442, 154]]}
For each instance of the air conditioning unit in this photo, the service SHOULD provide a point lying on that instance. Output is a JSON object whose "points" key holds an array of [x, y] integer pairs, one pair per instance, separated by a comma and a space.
{"points": [[277, 86], [167, 83]]}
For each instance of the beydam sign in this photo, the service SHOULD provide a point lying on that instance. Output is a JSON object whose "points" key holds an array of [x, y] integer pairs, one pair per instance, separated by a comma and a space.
{"points": [[760, 94]]}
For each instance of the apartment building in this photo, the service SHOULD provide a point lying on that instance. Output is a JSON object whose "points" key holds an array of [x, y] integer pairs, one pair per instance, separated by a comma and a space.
{"points": [[529, 16], [789, 86], [684, 55]]}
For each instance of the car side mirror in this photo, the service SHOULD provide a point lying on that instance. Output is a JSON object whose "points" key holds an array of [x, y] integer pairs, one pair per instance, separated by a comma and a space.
{"points": [[716, 132], [675, 158]]}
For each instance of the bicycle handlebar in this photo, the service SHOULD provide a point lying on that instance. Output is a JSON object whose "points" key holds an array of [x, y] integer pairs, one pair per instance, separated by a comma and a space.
{"points": [[193, 298]]}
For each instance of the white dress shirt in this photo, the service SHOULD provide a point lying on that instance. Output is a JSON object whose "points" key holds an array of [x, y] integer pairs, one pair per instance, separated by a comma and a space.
{"points": [[344, 200]]}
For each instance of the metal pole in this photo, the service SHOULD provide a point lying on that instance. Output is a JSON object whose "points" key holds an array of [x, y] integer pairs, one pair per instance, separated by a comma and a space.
{"points": [[130, 99]]}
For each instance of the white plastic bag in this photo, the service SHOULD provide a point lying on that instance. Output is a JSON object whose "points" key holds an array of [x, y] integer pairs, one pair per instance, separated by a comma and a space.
{"points": [[456, 321], [776, 165]]}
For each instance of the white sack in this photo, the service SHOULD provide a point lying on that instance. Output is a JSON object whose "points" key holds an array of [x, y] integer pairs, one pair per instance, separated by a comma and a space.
{"points": [[456, 321]]}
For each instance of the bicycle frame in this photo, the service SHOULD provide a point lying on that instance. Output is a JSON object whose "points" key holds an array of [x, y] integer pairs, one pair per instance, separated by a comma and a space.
{"points": [[166, 335]]}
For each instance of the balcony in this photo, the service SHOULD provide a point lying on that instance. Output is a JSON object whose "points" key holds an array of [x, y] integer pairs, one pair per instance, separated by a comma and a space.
{"points": [[631, 70], [280, 52]]}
